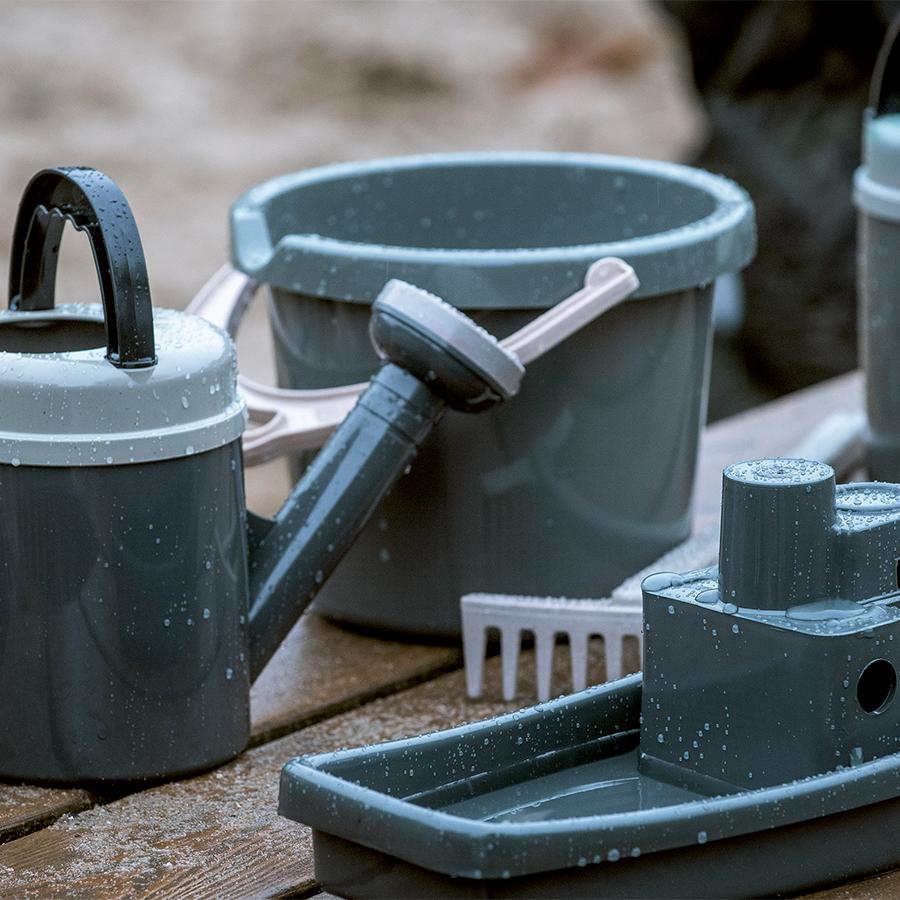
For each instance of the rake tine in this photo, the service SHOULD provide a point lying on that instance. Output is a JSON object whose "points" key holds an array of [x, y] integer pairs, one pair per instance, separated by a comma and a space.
{"points": [[510, 641], [544, 641], [474, 647], [578, 653], [612, 653]]}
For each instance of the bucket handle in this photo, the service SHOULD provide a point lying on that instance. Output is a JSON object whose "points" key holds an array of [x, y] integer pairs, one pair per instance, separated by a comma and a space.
{"points": [[93, 203], [294, 419], [303, 419], [884, 94]]}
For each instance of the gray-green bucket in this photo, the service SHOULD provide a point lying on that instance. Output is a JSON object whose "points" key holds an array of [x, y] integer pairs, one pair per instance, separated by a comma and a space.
{"points": [[587, 475]]}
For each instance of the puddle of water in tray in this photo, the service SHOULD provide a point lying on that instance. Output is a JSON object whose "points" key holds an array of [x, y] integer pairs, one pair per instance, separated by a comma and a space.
{"points": [[611, 785]]}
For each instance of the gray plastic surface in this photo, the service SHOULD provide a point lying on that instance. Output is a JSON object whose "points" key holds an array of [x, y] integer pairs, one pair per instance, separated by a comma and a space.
{"points": [[139, 597], [762, 690], [757, 511], [877, 197], [757, 738], [122, 635], [876, 184], [587, 476], [459, 813], [879, 336], [83, 385], [456, 335], [71, 407], [490, 230]]}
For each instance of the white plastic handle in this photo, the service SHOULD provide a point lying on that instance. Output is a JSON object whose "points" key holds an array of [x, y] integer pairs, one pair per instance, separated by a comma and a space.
{"points": [[302, 420], [290, 420], [607, 283]]}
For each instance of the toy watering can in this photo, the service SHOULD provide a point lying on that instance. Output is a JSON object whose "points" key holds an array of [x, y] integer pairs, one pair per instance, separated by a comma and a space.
{"points": [[138, 597]]}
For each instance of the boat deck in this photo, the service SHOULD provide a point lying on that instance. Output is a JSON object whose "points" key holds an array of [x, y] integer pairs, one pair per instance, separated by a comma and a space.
{"points": [[219, 834]]}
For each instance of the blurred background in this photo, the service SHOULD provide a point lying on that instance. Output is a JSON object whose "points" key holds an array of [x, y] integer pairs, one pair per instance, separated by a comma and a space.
{"points": [[187, 105]]}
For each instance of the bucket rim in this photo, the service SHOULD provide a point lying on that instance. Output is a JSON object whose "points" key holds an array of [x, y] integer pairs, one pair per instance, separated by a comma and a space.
{"points": [[688, 255]]}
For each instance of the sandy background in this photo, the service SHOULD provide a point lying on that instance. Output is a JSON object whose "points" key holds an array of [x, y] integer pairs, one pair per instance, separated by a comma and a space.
{"points": [[186, 105]]}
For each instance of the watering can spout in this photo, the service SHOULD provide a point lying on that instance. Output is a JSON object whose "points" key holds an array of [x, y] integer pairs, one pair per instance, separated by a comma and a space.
{"points": [[433, 356]]}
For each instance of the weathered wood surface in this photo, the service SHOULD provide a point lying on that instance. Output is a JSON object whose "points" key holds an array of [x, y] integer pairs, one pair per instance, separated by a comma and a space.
{"points": [[219, 833], [877, 888], [24, 807], [320, 670]]}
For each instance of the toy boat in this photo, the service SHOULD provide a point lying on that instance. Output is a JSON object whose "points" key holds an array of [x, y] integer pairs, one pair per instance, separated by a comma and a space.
{"points": [[758, 754]]}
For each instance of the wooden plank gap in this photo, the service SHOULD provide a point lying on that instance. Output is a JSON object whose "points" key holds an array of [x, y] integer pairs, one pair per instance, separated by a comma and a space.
{"points": [[301, 893], [25, 808]]}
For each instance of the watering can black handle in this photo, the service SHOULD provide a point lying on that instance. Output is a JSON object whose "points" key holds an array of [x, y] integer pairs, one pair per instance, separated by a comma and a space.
{"points": [[884, 96], [93, 203]]}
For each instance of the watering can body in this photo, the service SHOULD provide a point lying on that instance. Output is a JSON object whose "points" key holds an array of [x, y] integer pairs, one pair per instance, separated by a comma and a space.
{"points": [[134, 620], [138, 597], [123, 645]]}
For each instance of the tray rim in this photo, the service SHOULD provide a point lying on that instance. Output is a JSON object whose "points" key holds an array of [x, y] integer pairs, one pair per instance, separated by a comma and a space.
{"points": [[458, 846]]}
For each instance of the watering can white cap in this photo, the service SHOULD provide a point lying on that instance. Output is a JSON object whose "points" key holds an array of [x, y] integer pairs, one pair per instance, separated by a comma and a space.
{"points": [[74, 408]]}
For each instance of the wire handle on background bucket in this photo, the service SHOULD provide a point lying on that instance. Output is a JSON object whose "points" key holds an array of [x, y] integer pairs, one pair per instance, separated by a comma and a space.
{"points": [[303, 419], [93, 203], [884, 94], [294, 419]]}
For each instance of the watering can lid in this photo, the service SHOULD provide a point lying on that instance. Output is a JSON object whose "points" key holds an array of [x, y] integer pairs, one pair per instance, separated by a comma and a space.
{"points": [[74, 408], [110, 384]]}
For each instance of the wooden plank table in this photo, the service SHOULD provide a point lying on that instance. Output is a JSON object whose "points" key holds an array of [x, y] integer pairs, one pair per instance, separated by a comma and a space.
{"points": [[218, 834]]}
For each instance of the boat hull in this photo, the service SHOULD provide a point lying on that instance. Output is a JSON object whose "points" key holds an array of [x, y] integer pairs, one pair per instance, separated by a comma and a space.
{"points": [[556, 801]]}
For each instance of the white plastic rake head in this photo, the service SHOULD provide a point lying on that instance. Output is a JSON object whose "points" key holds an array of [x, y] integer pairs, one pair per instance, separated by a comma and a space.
{"points": [[291, 420], [619, 617], [615, 619]]}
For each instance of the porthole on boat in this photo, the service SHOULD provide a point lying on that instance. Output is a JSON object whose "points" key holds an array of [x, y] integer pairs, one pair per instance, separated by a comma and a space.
{"points": [[876, 686]]}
